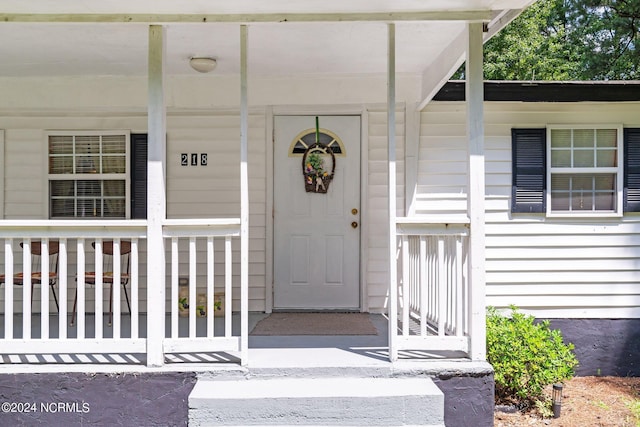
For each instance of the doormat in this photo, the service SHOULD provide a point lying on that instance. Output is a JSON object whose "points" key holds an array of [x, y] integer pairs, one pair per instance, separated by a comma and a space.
{"points": [[315, 324]]}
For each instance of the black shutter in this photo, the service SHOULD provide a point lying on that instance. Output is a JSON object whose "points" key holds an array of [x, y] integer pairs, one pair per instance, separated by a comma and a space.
{"points": [[632, 170], [138, 175], [529, 170]]}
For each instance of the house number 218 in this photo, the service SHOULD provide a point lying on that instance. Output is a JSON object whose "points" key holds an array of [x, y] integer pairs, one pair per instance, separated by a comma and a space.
{"points": [[184, 159]]}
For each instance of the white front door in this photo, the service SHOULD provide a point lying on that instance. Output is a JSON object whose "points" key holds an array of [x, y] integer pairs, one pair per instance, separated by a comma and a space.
{"points": [[316, 235]]}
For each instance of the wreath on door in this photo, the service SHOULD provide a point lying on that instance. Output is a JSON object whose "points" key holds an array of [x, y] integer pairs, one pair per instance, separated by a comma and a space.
{"points": [[317, 176]]}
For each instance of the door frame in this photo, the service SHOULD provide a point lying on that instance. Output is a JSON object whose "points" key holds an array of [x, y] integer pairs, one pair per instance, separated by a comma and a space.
{"points": [[270, 114]]}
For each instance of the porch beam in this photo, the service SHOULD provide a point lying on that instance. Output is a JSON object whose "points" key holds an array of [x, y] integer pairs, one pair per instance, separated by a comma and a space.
{"points": [[391, 186], [156, 197], [451, 15], [442, 68], [244, 200], [476, 192]]}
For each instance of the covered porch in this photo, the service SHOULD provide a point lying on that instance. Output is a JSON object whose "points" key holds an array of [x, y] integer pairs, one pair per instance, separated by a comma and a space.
{"points": [[41, 326], [431, 282]]}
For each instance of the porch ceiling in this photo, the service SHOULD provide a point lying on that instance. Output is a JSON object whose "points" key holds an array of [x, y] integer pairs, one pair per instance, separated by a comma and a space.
{"points": [[65, 37]]}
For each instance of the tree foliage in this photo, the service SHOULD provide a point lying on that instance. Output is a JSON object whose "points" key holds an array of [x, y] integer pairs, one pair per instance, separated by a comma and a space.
{"points": [[568, 40]]}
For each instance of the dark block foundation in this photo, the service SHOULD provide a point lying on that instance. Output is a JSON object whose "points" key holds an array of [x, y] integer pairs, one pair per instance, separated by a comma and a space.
{"points": [[70, 399], [468, 400], [603, 346]]}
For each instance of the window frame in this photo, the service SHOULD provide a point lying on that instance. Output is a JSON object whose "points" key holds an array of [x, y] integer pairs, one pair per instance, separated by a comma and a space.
{"points": [[90, 176], [617, 170], [311, 131]]}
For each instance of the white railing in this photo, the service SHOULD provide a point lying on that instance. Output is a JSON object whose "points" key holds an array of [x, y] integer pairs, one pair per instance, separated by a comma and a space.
{"points": [[89, 288], [433, 295], [201, 237], [71, 239]]}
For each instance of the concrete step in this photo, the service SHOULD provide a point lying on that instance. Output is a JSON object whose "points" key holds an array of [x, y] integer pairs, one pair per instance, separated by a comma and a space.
{"points": [[316, 402]]}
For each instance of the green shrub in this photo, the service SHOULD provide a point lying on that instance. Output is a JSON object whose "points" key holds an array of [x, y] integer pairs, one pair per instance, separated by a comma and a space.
{"points": [[526, 356]]}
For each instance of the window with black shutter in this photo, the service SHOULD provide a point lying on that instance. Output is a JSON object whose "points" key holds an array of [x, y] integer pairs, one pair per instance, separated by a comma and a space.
{"points": [[575, 170], [528, 170], [88, 174]]}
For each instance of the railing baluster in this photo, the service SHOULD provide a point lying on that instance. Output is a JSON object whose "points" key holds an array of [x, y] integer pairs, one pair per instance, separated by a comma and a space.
{"points": [[8, 290], [26, 286], [62, 288], [442, 288], [424, 284], [410, 284], [210, 287], [80, 283], [27, 289], [227, 286], [427, 276], [115, 289], [98, 289], [174, 310], [450, 285], [192, 287], [133, 277], [415, 274], [44, 288], [459, 302], [433, 288], [406, 286]]}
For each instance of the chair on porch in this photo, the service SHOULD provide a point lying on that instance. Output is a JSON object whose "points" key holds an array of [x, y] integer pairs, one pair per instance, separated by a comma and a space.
{"points": [[107, 274], [36, 274]]}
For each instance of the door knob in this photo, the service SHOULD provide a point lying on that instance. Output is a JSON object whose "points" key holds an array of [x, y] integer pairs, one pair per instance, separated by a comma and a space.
{"points": [[354, 224], [354, 211]]}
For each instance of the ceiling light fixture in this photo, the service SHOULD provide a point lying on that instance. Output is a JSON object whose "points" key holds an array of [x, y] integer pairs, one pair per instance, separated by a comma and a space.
{"points": [[203, 64]]}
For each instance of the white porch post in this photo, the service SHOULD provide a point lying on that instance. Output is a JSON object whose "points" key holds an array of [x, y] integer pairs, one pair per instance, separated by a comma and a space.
{"points": [[476, 190], [244, 201], [391, 135], [156, 197]]}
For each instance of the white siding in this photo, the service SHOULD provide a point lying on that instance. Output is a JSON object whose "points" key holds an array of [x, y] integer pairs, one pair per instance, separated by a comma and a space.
{"points": [[549, 267], [24, 174], [377, 274], [213, 191]]}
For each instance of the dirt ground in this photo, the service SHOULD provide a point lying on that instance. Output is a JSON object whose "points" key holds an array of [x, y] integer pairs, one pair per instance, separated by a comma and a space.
{"points": [[587, 401]]}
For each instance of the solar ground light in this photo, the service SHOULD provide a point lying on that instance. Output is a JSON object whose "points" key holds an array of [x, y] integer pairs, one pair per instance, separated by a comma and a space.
{"points": [[556, 400]]}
